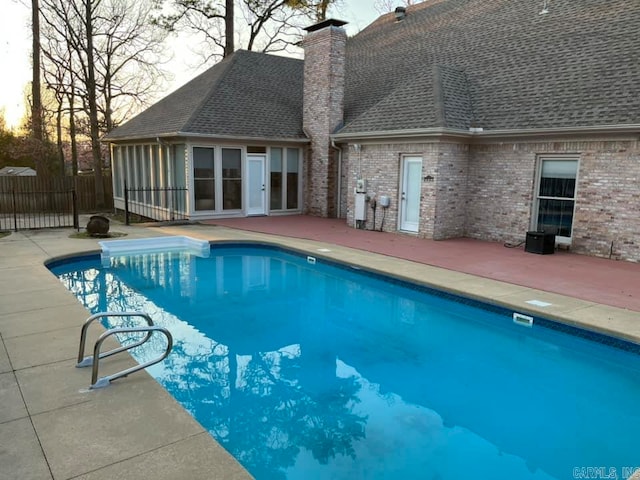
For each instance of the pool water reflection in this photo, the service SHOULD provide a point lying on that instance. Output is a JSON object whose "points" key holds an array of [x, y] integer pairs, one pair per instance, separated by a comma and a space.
{"points": [[313, 371]]}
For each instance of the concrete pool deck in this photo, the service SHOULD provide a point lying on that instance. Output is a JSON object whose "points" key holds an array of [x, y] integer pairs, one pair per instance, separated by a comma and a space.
{"points": [[52, 427]]}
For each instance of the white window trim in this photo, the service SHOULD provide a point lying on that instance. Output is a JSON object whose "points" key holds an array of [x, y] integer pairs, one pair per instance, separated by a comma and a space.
{"points": [[540, 159]]}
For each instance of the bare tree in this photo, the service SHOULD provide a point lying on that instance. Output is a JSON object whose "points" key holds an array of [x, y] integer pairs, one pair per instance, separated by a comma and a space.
{"points": [[206, 19], [102, 59], [36, 91], [56, 77], [272, 25], [59, 70], [315, 9], [229, 26], [129, 55]]}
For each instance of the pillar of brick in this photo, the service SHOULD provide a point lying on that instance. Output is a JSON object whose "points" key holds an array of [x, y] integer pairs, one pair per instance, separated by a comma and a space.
{"points": [[323, 108]]}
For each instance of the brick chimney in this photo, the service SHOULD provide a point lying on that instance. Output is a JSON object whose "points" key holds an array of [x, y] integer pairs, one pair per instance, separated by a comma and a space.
{"points": [[323, 107]]}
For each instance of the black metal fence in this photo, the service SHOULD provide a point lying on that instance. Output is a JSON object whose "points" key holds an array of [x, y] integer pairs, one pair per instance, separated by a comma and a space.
{"points": [[155, 203], [31, 203]]}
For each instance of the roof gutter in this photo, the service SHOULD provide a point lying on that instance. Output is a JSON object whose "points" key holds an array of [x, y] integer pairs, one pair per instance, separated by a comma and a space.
{"points": [[478, 133], [205, 136], [408, 133], [339, 149], [590, 130]]}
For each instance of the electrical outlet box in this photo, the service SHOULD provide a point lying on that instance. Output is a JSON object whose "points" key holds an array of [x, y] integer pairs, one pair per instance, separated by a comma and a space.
{"points": [[361, 185], [360, 212]]}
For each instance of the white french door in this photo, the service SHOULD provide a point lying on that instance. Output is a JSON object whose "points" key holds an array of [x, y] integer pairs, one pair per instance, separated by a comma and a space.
{"points": [[256, 185], [410, 194]]}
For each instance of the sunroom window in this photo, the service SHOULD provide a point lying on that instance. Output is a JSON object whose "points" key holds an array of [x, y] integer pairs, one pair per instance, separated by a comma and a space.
{"points": [[204, 178], [231, 179]]}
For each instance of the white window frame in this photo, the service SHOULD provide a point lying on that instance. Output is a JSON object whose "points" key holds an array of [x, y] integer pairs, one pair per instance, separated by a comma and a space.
{"points": [[563, 240], [284, 193], [217, 171]]}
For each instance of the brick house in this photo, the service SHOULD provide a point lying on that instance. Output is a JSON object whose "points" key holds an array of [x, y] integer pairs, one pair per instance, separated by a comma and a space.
{"points": [[450, 118]]}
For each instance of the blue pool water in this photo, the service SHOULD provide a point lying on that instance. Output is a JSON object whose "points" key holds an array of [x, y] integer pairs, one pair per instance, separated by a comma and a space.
{"points": [[308, 371]]}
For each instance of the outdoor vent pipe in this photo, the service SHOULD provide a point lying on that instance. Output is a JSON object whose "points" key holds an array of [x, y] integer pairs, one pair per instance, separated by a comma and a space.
{"points": [[401, 12]]}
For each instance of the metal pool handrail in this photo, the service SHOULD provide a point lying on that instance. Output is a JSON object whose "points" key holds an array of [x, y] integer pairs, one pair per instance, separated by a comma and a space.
{"points": [[86, 361], [104, 381]]}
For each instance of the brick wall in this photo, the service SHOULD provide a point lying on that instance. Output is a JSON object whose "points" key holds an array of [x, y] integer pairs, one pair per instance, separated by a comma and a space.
{"points": [[379, 165], [451, 177], [607, 219], [501, 193], [486, 191], [443, 184], [322, 114]]}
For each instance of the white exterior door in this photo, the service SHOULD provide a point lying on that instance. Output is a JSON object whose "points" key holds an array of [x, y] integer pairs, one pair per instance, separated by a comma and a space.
{"points": [[410, 194], [256, 185]]}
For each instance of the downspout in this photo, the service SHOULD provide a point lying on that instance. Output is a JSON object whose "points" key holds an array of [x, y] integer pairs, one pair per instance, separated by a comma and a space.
{"points": [[339, 149], [307, 170]]}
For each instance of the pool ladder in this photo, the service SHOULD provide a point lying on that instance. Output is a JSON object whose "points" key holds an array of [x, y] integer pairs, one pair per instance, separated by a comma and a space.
{"points": [[94, 360]]}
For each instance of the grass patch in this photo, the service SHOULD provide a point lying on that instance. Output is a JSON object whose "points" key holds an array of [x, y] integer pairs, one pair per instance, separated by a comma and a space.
{"points": [[4, 234], [87, 235]]}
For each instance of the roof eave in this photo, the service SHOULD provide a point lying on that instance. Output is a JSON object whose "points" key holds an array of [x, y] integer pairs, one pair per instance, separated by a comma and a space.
{"points": [[200, 136], [408, 133], [478, 133], [558, 131]]}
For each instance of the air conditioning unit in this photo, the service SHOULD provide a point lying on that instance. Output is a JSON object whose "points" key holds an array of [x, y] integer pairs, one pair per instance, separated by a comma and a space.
{"points": [[542, 243]]}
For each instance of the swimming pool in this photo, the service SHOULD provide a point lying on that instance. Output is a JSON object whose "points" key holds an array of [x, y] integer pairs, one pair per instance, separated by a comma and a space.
{"points": [[311, 370]]}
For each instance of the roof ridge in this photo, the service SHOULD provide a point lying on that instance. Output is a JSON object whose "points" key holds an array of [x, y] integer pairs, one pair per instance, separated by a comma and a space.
{"points": [[443, 90], [438, 96]]}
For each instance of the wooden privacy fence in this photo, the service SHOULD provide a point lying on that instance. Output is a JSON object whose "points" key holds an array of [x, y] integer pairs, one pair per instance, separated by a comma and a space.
{"points": [[33, 202]]}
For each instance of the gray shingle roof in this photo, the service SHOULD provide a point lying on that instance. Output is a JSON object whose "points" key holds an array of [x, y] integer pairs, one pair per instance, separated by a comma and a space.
{"points": [[248, 94], [578, 65], [452, 95], [498, 64]]}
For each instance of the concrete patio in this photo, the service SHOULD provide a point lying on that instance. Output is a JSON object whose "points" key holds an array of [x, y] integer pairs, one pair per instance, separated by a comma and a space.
{"points": [[53, 427]]}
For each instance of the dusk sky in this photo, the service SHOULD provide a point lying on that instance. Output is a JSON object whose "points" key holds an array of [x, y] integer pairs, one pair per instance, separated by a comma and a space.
{"points": [[15, 51]]}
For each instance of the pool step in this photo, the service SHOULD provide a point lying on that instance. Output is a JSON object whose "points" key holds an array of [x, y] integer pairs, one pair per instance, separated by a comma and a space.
{"points": [[137, 246]]}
